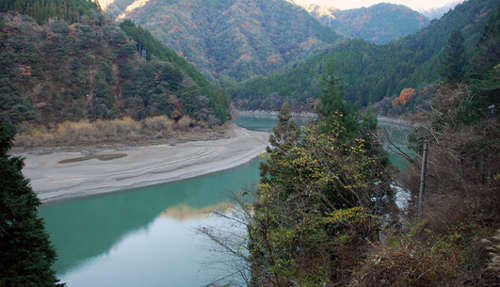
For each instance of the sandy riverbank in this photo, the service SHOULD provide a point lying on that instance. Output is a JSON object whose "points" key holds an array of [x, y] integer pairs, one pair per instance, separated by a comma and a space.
{"points": [[142, 166]]}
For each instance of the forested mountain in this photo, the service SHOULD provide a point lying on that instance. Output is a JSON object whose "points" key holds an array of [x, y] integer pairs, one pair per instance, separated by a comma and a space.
{"points": [[239, 39], [378, 24], [42, 10], [436, 13], [89, 68], [371, 72]]}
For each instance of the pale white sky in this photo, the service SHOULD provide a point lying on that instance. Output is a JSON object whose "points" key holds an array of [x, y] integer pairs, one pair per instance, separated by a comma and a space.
{"points": [[349, 4]]}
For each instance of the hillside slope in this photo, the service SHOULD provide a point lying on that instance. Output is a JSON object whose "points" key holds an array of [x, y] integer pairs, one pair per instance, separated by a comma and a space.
{"points": [[239, 39], [92, 70], [378, 24], [371, 72]]}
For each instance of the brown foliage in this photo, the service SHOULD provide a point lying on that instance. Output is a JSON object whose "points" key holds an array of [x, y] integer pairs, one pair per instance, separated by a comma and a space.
{"points": [[407, 95], [176, 115], [409, 263], [461, 200]]}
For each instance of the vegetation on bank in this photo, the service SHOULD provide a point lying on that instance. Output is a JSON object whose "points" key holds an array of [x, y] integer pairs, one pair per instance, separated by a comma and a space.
{"points": [[91, 69], [126, 130]]}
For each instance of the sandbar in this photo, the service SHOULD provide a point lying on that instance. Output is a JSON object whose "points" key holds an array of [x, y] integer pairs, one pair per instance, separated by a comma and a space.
{"points": [[143, 166]]}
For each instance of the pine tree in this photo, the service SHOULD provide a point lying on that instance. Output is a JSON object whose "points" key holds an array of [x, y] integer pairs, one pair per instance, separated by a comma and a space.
{"points": [[26, 252], [453, 59]]}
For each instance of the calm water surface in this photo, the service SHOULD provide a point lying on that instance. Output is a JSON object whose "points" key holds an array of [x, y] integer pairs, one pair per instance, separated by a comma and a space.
{"points": [[145, 237]]}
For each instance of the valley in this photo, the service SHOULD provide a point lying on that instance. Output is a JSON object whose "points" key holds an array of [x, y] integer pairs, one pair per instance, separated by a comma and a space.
{"points": [[125, 123]]}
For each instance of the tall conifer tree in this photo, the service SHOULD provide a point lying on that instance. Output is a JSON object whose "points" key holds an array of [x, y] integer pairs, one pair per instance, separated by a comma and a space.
{"points": [[335, 114], [26, 254]]}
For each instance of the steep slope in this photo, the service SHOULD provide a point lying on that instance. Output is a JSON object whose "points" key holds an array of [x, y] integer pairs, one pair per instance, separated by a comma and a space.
{"points": [[371, 72], [92, 70], [237, 38], [379, 23]]}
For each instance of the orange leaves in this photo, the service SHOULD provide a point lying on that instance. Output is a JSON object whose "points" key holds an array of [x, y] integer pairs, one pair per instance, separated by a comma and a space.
{"points": [[407, 95]]}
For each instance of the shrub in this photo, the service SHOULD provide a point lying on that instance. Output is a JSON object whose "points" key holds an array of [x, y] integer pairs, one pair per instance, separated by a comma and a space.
{"points": [[406, 261], [185, 123]]}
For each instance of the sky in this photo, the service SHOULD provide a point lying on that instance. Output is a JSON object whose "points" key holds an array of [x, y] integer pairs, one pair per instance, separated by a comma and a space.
{"points": [[349, 4]]}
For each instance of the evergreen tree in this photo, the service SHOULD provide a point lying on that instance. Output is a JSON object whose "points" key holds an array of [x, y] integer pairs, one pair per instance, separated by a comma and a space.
{"points": [[25, 248], [453, 59], [334, 112], [284, 137]]}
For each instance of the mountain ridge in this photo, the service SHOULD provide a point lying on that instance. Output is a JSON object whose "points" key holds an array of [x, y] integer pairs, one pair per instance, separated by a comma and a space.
{"points": [[379, 23], [438, 12], [239, 39], [370, 72]]}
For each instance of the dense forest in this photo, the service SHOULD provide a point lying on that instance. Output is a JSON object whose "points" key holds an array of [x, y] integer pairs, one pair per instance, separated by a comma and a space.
{"points": [[371, 73], [89, 68], [42, 10], [239, 39]]}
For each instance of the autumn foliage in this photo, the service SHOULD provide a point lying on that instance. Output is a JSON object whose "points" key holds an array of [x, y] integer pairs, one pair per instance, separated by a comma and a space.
{"points": [[407, 95]]}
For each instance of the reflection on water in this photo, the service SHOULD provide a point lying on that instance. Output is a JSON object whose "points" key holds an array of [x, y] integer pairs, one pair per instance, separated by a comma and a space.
{"points": [[144, 237], [125, 236], [184, 212], [266, 122], [154, 255], [257, 122]]}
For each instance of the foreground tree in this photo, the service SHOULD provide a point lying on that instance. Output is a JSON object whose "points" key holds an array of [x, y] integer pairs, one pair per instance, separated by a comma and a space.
{"points": [[25, 248], [323, 190], [323, 194]]}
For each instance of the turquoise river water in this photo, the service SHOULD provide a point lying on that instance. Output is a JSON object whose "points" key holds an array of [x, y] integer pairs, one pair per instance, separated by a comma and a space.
{"points": [[145, 236]]}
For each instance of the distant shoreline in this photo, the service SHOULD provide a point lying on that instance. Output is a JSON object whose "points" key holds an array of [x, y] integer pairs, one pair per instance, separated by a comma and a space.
{"points": [[275, 113], [381, 119], [394, 121], [143, 166]]}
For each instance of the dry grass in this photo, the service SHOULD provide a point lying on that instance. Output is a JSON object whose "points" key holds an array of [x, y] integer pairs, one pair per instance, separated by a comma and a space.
{"points": [[494, 249], [118, 130], [408, 262]]}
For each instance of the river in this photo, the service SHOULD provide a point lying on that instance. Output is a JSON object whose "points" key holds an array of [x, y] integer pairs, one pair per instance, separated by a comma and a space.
{"points": [[145, 236]]}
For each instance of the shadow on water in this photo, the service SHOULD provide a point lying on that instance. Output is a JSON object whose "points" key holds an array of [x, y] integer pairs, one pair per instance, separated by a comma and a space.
{"points": [[83, 228]]}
